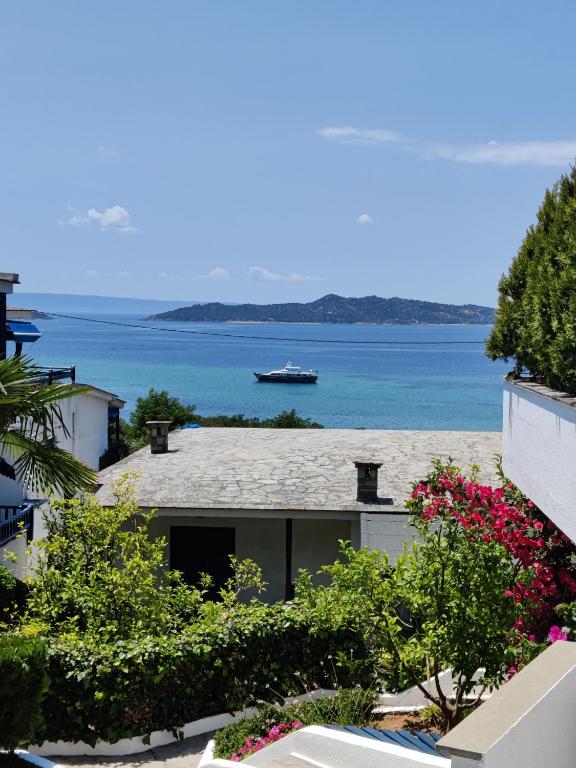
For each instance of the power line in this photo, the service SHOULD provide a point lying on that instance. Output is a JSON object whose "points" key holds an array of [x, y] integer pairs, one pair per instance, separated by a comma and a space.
{"points": [[256, 338]]}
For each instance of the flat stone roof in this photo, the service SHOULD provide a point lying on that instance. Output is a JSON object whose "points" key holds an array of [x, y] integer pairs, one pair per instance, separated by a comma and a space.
{"points": [[291, 469]]}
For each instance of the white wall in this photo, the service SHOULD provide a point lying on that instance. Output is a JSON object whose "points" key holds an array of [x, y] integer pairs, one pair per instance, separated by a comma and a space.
{"points": [[13, 556], [320, 746], [539, 452], [388, 531], [527, 723], [86, 418], [314, 543]]}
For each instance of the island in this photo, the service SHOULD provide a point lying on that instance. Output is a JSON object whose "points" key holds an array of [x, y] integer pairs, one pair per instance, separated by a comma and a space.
{"points": [[336, 309]]}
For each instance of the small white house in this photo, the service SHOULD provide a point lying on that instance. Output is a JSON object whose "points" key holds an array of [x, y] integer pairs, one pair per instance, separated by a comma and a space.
{"points": [[285, 497], [87, 417]]}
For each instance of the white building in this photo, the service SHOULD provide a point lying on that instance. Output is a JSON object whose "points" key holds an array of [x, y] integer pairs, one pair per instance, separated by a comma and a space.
{"points": [[539, 448], [285, 497], [87, 417]]}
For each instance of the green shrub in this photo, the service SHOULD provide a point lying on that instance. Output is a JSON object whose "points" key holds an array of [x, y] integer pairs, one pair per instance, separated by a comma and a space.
{"points": [[351, 706], [23, 682], [12, 596], [133, 649], [231, 739], [534, 322], [240, 655], [155, 406]]}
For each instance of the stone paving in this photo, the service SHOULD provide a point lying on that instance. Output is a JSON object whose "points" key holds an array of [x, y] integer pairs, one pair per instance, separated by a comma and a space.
{"points": [[181, 754], [279, 469]]}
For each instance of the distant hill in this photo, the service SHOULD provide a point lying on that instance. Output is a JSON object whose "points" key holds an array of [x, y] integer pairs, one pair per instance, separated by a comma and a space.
{"points": [[336, 309], [89, 305]]}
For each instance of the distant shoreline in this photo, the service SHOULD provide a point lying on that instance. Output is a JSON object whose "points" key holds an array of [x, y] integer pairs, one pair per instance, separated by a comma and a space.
{"points": [[332, 309], [310, 322]]}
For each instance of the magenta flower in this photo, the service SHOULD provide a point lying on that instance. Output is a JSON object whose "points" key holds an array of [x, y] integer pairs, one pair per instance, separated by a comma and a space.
{"points": [[557, 633]]}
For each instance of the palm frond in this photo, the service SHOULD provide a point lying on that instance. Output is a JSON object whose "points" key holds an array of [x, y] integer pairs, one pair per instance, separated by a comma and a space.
{"points": [[43, 467], [30, 415]]}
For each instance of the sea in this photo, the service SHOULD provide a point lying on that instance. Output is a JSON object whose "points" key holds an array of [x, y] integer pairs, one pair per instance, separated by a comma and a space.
{"points": [[407, 377]]}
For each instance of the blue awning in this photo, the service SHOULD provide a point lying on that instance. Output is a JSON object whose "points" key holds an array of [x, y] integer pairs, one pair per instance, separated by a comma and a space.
{"points": [[21, 331]]}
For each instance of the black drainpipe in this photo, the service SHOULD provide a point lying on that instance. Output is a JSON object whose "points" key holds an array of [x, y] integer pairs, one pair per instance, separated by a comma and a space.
{"points": [[289, 587]]}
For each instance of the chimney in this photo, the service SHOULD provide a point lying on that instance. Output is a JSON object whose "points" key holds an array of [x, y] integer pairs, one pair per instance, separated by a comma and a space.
{"points": [[158, 436], [367, 480]]}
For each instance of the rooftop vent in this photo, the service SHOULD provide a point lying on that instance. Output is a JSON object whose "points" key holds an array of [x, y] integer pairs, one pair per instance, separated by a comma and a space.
{"points": [[158, 436], [367, 480]]}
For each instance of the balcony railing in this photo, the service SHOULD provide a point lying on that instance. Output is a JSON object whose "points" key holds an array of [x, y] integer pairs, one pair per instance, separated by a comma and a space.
{"points": [[50, 375], [16, 520]]}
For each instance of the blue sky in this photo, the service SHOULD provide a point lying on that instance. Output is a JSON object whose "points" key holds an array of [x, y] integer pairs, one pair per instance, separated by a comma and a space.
{"points": [[271, 150]]}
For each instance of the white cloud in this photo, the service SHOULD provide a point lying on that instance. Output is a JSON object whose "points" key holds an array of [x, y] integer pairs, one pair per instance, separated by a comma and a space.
{"points": [[364, 218], [261, 273], [543, 153], [114, 219], [218, 273], [348, 135], [169, 276], [539, 153], [107, 152], [95, 274]]}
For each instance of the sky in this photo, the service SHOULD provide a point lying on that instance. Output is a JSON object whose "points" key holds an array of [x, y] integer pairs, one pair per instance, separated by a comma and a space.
{"points": [[275, 150]]}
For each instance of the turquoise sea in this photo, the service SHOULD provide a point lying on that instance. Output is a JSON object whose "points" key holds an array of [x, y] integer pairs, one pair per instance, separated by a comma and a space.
{"points": [[405, 385]]}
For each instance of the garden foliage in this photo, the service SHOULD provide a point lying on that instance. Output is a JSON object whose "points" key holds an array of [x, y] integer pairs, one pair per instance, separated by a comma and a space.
{"points": [[100, 575], [133, 649], [223, 662], [351, 706], [23, 682], [13, 594], [159, 405], [478, 589], [535, 319]]}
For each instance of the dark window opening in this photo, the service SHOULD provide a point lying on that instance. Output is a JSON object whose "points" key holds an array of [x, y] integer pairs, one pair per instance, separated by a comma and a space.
{"points": [[198, 549]]}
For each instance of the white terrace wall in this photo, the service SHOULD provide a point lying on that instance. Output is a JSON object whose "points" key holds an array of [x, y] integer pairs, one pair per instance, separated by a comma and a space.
{"points": [[539, 449], [527, 723]]}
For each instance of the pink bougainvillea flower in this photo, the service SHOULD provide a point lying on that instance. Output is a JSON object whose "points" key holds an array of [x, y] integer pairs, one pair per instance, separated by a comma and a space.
{"points": [[557, 633]]}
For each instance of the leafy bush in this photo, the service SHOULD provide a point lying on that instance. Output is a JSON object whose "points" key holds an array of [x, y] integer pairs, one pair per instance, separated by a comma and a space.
{"points": [[156, 406], [276, 732], [537, 298], [12, 596], [230, 739], [351, 706], [474, 592], [23, 681], [159, 405], [133, 649], [100, 574], [284, 420], [223, 663]]}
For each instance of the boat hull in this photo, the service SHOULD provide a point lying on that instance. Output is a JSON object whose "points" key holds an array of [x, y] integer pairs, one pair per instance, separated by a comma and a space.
{"points": [[292, 379]]}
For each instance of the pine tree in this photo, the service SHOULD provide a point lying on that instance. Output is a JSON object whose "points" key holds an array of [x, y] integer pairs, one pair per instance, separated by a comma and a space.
{"points": [[536, 315]]}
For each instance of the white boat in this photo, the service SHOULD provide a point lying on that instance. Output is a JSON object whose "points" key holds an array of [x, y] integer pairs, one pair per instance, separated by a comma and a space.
{"points": [[290, 374]]}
